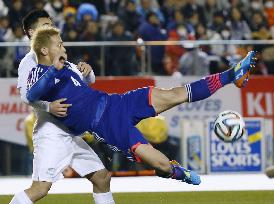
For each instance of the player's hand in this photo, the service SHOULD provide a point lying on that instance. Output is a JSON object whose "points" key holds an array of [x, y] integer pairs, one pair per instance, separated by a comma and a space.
{"points": [[59, 60], [84, 68], [58, 108]]}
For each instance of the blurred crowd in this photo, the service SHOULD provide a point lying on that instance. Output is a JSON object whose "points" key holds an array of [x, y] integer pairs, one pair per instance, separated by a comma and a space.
{"points": [[150, 20]]}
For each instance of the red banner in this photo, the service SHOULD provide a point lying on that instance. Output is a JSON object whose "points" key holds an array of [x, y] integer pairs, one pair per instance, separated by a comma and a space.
{"points": [[258, 97], [121, 84]]}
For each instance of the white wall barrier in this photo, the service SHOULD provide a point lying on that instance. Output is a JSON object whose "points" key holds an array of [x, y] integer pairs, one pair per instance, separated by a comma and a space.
{"points": [[193, 145], [255, 100], [12, 113]]}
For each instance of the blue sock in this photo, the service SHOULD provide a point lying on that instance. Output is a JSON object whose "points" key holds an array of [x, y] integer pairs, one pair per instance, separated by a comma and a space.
{"points": [[227, 76], [177, 173], [207, 86]]}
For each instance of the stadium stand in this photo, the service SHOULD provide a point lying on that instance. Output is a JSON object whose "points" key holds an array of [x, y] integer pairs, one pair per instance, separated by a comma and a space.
{"points": [[124, 20]]}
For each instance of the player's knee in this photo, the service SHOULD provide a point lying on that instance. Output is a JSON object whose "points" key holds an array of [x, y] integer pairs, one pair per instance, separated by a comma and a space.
{"points": [[43, 189], [42, 192], [163, 99], [38, 190], [105, 180], [178, 95], [101, 180]]}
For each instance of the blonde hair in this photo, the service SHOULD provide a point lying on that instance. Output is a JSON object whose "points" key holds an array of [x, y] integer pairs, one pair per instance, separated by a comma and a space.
{"points": [[41, 38]]}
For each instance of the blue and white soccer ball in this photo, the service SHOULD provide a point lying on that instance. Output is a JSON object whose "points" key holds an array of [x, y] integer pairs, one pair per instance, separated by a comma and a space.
{"points": [[229, 126]]}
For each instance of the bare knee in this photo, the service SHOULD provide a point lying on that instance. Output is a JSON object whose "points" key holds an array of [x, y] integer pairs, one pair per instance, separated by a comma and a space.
{"points": [[164, 99], [100, 180], [38, 190]]}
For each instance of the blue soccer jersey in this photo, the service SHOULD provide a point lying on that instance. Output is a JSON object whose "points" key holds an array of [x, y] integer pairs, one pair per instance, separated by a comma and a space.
{"points": [[87, 104], [111, 118]]}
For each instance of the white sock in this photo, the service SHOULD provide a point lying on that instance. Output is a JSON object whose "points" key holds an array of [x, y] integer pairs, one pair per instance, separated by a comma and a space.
{"points": [[20, 198], [103, 198]]}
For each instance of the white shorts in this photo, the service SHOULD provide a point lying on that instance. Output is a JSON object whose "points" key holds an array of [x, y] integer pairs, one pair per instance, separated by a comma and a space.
{"points": [[54, 152]]}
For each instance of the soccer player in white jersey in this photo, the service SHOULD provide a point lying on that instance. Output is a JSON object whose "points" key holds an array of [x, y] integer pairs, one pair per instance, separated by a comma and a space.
{"points": [[54, 148]]}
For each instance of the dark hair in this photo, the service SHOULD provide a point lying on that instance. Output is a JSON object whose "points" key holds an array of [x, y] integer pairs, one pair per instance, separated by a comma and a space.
{"points": [[118, 23], [31, 18], [130, 1], [150, 14]]}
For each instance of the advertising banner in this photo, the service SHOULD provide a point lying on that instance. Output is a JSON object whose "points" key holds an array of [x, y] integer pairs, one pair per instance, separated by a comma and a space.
{"points": [[258, 97], [12, 113], [121, 84], [193, 143], [245, 155]]}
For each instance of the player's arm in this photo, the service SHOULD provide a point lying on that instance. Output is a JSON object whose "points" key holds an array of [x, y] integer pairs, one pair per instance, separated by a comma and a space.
{"points": [[38, 88], [84, 71], [40, 105], [57, 108], [87, 72]]}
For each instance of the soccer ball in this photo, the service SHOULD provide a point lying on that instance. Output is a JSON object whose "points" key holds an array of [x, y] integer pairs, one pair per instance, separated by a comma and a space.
{"points": [[229, 126]]}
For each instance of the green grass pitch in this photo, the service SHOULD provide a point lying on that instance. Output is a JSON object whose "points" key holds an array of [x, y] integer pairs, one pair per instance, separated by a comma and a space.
{"points": [[226, 197]]}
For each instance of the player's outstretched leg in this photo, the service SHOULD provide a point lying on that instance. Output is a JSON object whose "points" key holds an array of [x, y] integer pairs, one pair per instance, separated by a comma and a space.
{"points": [[164, 168], [164, 99]]}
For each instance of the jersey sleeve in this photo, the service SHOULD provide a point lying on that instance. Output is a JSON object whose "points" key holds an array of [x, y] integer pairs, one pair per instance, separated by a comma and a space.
{"points": [[39, 81], [35, 74]]}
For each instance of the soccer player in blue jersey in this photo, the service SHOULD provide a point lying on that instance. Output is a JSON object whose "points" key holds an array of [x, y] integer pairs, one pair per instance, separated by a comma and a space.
{"points": [[112, 118]]}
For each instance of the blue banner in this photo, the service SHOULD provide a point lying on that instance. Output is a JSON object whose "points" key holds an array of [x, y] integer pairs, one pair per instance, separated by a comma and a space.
{"points": [[245, 155]]}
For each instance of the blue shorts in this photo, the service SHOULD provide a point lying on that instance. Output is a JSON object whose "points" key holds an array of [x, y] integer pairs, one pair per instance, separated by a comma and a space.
{"points": [[117, 124]]}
